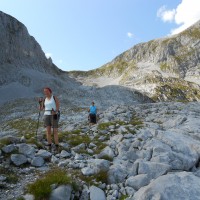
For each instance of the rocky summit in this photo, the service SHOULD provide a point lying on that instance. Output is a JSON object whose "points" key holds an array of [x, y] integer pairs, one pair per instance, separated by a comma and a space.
{"points": [[141, 148]]}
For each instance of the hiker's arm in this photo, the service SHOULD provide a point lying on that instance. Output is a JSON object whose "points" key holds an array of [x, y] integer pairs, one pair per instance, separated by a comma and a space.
{"points": [[41, 102], [57, 104]]}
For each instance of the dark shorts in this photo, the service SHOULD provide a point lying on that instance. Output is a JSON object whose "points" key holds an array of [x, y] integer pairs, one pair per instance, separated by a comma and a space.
{"points": [[93, 118], [51, 120]]}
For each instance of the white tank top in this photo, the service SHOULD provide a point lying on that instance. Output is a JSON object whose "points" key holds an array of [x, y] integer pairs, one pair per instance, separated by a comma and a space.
{"points": [[49, 105]]}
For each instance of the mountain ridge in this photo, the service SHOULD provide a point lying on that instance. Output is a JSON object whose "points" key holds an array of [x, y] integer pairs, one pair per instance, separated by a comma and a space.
{"points": [[153, 64]]}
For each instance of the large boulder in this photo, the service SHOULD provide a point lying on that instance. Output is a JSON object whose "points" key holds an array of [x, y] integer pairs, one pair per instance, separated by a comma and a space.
{"points": [[179, 186]]}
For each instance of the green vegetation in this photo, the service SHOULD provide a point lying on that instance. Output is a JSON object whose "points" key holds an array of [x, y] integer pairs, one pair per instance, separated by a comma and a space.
{"points": [[102, 177], [4, 141], [74, 138], [176, 90], [105, 125], [20, 198], [137, 122], [116, 68], [194, 33], [25, 127], [41, 189], [165, 67], [11, 177], [123, 197], [100, 146], [106, 157]]}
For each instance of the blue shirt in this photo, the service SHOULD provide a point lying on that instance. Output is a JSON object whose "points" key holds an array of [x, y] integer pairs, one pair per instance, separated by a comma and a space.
{"points": [[93, 109]]}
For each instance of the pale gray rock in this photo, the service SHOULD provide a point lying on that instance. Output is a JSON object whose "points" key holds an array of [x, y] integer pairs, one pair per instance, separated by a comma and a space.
{"points": [[117, 174], [95, 166], [87, 171], [85, 194], [64, 154], [62, 192], [18, 159], [153, 169], [136, 182], [129, 191], [63, 163], [37, 161], [184, 149], [27, 150], [9, 148], [171, 186], [96, 193], [179, 120], [2, 178], [44, 154], [108, 152], [54, 159], [28, 197]]}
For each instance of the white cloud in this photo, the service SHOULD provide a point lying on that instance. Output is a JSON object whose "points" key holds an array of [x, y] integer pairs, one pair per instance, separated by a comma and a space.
{"points": [[184, 15], [48, 55], [130, 35], [166, 15]]}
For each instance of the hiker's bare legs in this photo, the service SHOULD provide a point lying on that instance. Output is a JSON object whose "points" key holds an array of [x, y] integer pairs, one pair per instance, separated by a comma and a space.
{"points": [[48, 132], [55, 131]]}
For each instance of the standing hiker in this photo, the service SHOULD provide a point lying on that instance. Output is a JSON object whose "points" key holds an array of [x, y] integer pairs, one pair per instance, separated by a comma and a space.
{"points": [[50, 106], [92, 114]]}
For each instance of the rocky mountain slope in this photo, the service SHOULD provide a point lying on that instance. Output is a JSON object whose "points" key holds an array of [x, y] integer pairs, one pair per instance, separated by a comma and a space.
{"points": [[140, 152], [137, 151], [165, 69], [25, 71]]}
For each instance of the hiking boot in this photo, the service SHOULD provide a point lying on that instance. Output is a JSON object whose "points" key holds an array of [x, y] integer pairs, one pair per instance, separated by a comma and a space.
{"points": [[57, 148], [49, 147]]}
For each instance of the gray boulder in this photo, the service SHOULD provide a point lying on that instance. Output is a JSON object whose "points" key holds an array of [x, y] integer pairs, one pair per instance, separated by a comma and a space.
{"points": [[37, 161], [18, 159], [63, 192], [27, 150], [96, 193], [179, 186]]}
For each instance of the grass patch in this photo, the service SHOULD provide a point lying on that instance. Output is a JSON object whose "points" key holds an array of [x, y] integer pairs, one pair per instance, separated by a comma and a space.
{"points": [[106, 157], [11, 177], [123, 197], [137, 122], [4, 142], [79, 139], [24, 127], [102, 177], [105, 125], [20, 198], [100, 146], [41, 189], [73, 138], [164, 67]]}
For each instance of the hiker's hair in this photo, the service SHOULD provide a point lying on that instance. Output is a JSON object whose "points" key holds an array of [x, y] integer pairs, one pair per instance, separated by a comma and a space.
{"points": [[47, 88]]}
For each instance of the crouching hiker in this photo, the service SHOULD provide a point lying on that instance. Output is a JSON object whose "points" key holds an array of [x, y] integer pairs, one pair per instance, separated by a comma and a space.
{"points": [[51, 106], [92, 114]]}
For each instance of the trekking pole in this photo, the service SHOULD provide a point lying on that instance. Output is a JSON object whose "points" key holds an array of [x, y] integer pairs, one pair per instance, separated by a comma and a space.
{"points": [[37, 125], [38, 121]]}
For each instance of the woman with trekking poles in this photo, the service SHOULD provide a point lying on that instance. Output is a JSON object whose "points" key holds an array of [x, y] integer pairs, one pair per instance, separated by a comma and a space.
{"points": [[50, 104]]}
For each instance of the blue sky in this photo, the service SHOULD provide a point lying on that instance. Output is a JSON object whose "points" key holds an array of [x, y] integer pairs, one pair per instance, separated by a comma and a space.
{"points": [[85, 34]]}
